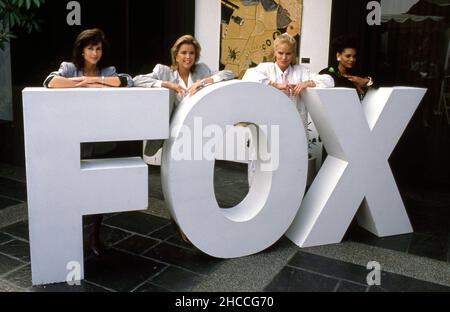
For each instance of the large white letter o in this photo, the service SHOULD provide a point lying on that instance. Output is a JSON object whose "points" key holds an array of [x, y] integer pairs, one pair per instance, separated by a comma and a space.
{"points": [[275, 194]]}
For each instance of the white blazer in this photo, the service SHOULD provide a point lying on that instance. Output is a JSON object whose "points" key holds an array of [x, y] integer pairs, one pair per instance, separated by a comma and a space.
{"points": [[165, 73], [266, 72]]}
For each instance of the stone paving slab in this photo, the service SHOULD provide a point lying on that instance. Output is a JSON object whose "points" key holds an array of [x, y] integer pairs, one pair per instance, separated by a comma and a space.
{"points": [[421, 268], [252, 273]]}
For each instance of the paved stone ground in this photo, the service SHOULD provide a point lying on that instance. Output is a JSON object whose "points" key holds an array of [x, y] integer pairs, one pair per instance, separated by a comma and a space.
{"points": [[147, 255]]}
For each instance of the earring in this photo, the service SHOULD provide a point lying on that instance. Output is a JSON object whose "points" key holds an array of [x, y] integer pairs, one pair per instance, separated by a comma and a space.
{"points": [[339, 59]]}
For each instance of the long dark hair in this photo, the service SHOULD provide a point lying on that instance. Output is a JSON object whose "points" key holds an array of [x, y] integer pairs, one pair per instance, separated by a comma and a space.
{"points": [[85, 38]]}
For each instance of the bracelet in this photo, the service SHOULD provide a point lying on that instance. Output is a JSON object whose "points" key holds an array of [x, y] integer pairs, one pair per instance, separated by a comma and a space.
{"points": [[202, 83], [103, 79], [370, 82]]}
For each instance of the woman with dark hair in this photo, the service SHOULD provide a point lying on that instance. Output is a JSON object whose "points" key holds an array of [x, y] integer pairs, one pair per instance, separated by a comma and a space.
{"points": [[87, 68], [343, 73]]}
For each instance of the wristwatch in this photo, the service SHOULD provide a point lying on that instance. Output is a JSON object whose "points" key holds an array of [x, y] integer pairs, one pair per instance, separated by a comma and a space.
{"points": [[370, 82]]}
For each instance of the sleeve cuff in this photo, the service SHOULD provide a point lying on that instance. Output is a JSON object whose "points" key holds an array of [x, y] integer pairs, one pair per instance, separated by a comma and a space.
{"points": [[158, 84], [47, 81], [123, 81], [216, 78]]}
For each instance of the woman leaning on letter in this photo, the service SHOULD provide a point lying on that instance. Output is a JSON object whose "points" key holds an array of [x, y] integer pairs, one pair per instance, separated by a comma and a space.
{"points": [[185, 76], [286, 75], [88, 70]]}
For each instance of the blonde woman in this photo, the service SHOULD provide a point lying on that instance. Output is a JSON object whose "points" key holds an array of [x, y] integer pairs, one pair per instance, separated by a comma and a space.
{"points": [[185, 76], [285, 75]]}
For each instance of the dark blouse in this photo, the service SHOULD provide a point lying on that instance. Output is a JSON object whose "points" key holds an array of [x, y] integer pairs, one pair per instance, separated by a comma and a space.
{"points": [[342, 82]]}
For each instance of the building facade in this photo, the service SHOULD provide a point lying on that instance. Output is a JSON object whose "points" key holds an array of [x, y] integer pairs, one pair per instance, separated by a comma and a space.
{"points": [[408, 45]]}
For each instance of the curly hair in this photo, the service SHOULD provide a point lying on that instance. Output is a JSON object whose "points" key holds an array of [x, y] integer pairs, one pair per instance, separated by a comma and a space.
{"points": [[344, 42], [85, 38]]}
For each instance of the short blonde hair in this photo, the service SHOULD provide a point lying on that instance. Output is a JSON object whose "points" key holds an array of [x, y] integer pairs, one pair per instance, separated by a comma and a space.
{"points": [[185, 39], [285, 39]]}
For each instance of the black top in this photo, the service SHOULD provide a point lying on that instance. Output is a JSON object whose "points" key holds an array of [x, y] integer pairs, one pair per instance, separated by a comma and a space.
{"points": [[342, 82]]}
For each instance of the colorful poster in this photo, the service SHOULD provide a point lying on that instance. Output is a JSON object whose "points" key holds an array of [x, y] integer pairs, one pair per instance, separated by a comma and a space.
{"points": [[249, 27]]}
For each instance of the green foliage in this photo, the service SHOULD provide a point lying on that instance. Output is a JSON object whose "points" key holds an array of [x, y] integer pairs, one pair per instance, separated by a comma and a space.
{"points": [[17, 14]]}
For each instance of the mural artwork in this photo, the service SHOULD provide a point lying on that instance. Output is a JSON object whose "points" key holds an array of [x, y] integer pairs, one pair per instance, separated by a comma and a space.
{"points": [[249, 28]]}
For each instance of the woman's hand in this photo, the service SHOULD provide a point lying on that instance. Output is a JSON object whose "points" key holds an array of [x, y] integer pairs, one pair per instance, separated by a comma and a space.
{"points": [[76, 79], [86, 81], [359, 81], [175, 87], [299, 87], [280, 86], [195, 87]]}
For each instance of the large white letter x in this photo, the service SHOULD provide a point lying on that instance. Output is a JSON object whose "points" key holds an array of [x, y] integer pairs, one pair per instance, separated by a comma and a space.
{"points": [[359, 138]]}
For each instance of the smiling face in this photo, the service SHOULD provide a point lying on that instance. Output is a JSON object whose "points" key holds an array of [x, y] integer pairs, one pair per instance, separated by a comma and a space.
{"points": [[347, 58], [92, 54], [185, 56], [284, 55]]}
